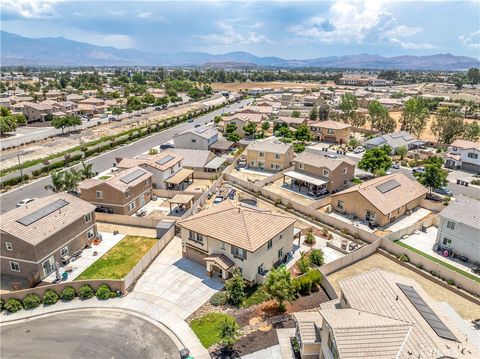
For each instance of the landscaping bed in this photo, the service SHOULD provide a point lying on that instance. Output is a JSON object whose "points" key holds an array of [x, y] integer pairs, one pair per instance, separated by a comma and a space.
{"points": [[120, 259]]}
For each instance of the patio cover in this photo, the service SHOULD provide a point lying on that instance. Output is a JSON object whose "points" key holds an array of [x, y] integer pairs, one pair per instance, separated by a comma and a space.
{"points": [[181, 198], [306, 178], [180, 176], [215, 163], [221, 145], [220, 260]]}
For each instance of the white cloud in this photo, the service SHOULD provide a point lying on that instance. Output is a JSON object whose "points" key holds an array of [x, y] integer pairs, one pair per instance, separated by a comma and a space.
{"points": [[403, 31], [229, 36], [119, 13], [30, 9], [144, 14], [411, 45], [471, 40], [117, 40]]}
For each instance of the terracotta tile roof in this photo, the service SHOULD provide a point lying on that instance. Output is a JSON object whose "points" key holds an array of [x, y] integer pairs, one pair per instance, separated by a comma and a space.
{"points": [[162, 161], [386, 202], [313, 159], [268, 145], [221, 260], [118, 181], [291, 120], [466, 144], [246, 117], [46, 226], [335, 125], [243, 227]]}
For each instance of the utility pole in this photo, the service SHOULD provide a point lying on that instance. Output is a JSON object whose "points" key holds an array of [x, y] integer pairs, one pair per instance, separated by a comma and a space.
{"points": [[20, 166]]}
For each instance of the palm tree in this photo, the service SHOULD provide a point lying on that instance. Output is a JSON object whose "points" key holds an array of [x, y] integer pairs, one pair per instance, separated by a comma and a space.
{"points": [[86, 171], [71, 179], [58, 182]]}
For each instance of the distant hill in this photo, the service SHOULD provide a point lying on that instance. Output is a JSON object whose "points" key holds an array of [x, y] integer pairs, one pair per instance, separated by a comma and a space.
{"points": [[19, 50]]}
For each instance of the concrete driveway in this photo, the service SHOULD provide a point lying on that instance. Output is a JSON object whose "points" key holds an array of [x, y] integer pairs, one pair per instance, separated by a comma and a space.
{"points": [[179, 284]]}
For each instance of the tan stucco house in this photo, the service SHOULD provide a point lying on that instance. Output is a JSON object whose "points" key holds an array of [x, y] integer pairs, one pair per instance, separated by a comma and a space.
{"points": [[330, 131], [381, 200], [36, 236], [228, 236], [124, 193], [269, 155]]}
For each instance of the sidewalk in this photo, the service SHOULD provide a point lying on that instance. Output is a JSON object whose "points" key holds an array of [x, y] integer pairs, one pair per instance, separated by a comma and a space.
{"points": [[135, 302]]}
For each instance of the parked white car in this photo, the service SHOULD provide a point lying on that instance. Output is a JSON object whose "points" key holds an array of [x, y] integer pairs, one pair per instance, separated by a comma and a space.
{"points": [[359, 149], [24, 201]]}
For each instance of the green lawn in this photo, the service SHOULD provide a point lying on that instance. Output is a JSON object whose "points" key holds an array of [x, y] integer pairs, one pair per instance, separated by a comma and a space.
{"points": [[254, 295], [120, 259], [207, 329], [104, 177], [436, 260]]}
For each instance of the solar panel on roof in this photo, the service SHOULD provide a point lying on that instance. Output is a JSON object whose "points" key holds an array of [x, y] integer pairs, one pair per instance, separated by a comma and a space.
{"points": [[42, 212], [132, 176], [165, 159], [388, 186], [427, 313]]}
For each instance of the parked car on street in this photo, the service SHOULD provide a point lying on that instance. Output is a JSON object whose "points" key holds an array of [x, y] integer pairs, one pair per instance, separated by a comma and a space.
{"points": [[166, 146], [443, 190], [197, 125], [418, 170], [24, 201], [359, 149], [395, 166], [218, 199]]}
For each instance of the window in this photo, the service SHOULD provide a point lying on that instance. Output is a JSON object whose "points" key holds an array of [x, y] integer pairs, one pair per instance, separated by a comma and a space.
{"points": [[222, 245], [332, 346], [127, 194], [451, 225], [90, 233], [269, 244], [145, 182], [131, 206], [370, 216], [88, 217], [301, 166], [239, 252], [194, 140], [262, 154], [330, 131], [345, 171], [99, 194], [260, 269], [326, 173], [277, 156], [447, 242], [196, 237], [15, 267], [340, 204], [345, 182], [472, 155], [9, 246], [48, 266], [280, 236], [64, 251], [280, 253]]}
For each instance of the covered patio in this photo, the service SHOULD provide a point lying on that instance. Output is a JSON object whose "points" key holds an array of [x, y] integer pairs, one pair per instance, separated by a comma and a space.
{"points": [[221, 146], [305, 183], [180, 180], [216, 165], [218, 264], [181, 202]]}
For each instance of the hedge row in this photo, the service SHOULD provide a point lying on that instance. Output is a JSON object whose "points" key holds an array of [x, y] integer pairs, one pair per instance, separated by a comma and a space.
{"points": [[307, 282], [50, 297]]}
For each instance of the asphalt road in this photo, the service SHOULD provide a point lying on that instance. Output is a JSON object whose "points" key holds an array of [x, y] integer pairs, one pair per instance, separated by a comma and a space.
{"points": [[103, 162], [86, 334]]}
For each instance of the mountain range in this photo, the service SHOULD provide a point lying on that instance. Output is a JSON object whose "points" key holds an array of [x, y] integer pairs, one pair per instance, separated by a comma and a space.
{"points": [[19, 50]]}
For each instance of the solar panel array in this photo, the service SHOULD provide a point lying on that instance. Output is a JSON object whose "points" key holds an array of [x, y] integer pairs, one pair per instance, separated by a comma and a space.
{"points": [[432, 319], [42, 212], [132, 176], [388, 186], [164, 160]]}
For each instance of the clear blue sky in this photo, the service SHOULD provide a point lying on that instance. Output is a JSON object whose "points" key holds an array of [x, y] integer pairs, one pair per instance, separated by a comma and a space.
{"points": [[289, 29]]}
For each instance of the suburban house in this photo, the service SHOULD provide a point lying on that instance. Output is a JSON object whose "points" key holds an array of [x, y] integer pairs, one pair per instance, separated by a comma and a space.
{"points": [[92, 106], [199, 138], [330, 131], [314, 173], [200, 160], [124, 193], [459, 228], [36, 236], [290, 121], [228, 236], [382, 315], [270, 155], [464, 154], [381, 200], [240, 120], [394, 140], [37, 112], [164, 167], [62, 108]]}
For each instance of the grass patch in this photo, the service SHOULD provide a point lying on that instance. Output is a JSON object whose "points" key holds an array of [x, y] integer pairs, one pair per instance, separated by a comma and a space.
{"points": [[120, 259], [207, 329], [444, 264], [254, 295], [104, 177]]}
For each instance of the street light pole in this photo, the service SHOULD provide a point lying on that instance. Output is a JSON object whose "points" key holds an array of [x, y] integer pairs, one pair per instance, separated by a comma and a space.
{"points": [[20, 166]]}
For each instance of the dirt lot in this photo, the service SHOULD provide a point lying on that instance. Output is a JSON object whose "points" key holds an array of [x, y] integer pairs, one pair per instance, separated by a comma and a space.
{"points": [[276, 187], [464, 308], [235, 86], [250, 175], [130, 230]]}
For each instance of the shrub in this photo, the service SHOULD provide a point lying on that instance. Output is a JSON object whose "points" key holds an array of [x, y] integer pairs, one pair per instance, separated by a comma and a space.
{"points": [[103, 292], [288, 206], [13, 181], [68, 293], [403, 258], [303, 264], [86, 292], [278, 201], [307, 282], [235, 288], [13, 305], [219, 298], [310, 238], [50, 297], [450, 282], [316, 257], [345, 231], [2, 304], [433, 273], [31, 301], [325, 232], [475, 182]]}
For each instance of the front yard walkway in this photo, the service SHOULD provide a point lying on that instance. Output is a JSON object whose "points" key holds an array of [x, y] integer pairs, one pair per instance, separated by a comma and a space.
{"points": [[180, 284]]}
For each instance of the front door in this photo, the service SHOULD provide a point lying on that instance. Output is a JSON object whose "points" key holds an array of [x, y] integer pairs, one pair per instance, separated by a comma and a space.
{"points": [[48, 266]]}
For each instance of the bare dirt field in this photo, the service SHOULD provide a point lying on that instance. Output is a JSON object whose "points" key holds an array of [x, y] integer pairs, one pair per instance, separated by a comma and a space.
{"points": [[235, 86], [464, 308]]}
